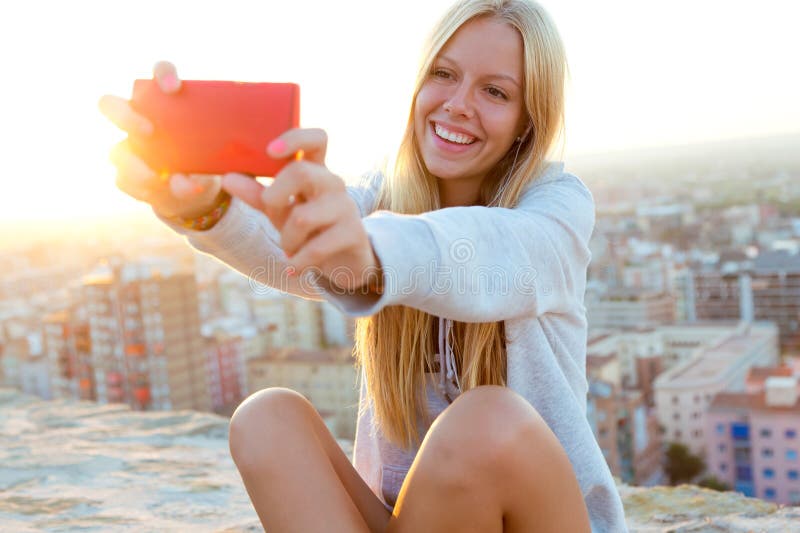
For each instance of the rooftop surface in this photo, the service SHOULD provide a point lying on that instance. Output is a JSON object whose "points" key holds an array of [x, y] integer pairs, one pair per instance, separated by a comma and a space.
{"points": [[67, 466]]}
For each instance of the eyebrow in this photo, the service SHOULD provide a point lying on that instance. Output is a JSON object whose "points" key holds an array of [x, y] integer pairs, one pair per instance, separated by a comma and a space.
{"points": [[492, 76]]}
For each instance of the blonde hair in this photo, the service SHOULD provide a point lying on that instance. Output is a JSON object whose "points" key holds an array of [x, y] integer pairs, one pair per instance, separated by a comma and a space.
{"points": [[394, 345]]}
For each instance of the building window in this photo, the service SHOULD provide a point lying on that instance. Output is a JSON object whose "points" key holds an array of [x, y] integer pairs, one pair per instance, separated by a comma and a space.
{"points": [[723, 467], [697, 433], [794, 497], [769, 473], [767, 452], [676, 416], [741, 455], [740, 431], [696, 398], [674, 400], [766, 433], [769, 493], [791, 455], [744, 473], [720, 429], [791, 433], [678, 434], [792, 474], [721, 448]]}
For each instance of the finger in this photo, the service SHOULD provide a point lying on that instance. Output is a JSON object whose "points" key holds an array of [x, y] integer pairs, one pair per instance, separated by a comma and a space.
{"points": [[119, 111], [131, 188], [313, 142], [330, 242], [299, 181], [166, 75], [308, 219], [133, 173], [243, 187]]}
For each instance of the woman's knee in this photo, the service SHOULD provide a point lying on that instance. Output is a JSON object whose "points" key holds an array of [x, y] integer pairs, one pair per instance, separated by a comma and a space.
{"points": [[487, 427], [262, 419]]}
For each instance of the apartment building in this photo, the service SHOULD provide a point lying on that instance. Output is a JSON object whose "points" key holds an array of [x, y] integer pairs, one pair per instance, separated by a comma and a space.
{"points": [[146, 348], [684, 393], [67, 347], [754, 436], [625, 427], [627, 308], [290, 321], [765, 288]]}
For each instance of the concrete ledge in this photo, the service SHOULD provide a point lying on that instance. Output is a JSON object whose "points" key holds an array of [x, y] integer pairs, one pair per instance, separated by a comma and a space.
{"points": [[70, 465]]}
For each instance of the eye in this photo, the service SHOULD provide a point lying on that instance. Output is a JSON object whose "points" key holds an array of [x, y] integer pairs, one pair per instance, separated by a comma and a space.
{"points": [[441, 73], [497, 93]]}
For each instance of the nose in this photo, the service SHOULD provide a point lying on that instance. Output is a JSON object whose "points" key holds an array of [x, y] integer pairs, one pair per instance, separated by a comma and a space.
{"points": [[459, 102]]}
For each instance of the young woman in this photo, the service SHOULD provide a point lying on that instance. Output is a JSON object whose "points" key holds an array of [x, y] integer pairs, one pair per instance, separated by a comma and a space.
{"points": [[466, 265]]}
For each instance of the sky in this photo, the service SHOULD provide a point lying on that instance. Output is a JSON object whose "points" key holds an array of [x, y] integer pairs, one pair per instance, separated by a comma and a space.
{"points": [[643, 73]]}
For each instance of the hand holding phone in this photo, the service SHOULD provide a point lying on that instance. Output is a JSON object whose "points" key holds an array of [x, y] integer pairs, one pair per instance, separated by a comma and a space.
{"points": [[214, 127], [174, 195]]}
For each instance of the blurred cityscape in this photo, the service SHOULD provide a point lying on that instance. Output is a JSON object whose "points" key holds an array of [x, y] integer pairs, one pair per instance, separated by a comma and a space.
{"points": [[693, 303]]}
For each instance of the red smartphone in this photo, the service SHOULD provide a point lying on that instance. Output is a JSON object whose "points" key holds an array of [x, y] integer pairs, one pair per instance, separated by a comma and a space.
{"points": [[214, 127]]}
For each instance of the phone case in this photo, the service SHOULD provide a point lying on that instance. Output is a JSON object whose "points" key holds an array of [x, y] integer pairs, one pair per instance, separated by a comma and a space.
{"points": [[214, 127]]}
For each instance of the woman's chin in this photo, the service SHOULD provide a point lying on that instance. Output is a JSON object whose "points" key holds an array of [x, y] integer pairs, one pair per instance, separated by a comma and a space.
{"points": [[445, 169]]}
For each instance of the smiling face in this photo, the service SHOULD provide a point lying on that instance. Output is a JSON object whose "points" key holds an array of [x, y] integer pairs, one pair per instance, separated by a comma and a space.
{"points": [[469, 110]]}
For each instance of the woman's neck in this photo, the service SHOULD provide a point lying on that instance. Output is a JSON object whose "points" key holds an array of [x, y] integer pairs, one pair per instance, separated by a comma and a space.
{"points": [[455, 192]]}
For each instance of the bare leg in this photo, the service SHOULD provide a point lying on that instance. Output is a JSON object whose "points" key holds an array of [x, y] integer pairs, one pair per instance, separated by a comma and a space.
{"points": [[295, 473], [490, 463]]}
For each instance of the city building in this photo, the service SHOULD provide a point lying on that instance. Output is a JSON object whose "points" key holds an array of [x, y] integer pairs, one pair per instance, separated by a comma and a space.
{"points": [[754, 436], [627, 308], [25, 365], [289, 320], [766, 287], [67, 346], [624, 425], [229, 343], [684, 392], [644, 353], [146, 347]]}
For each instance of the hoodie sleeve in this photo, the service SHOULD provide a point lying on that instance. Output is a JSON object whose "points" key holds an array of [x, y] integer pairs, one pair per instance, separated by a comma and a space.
{"points": [[246, 240], [481, 264]]}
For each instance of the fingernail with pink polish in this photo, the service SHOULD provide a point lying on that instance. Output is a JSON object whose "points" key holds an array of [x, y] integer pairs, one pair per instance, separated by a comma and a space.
{"points": [[277, 146], [169, 82]]}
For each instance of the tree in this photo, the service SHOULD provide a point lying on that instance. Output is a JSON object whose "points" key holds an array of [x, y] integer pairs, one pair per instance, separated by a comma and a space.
{"points": [[681, 466], [711, 482]]}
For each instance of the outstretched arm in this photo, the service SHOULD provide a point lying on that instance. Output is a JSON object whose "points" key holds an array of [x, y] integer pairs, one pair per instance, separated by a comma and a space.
{"points": [[479, 264]]}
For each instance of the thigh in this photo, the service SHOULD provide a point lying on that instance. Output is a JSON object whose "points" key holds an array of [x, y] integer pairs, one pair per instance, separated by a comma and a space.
{"points": [[278, 436], [490, 463]]}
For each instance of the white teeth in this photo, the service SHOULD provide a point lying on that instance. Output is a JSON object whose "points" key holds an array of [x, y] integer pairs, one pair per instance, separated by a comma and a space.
{"points": [[458, 138]]}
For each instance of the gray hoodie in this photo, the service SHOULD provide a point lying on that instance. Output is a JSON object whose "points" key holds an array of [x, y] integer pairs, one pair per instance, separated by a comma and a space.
{"points": [[525, 266]]}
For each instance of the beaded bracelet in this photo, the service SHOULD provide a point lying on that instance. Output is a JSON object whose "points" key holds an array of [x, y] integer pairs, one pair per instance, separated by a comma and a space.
{"points": [[208, 220]]}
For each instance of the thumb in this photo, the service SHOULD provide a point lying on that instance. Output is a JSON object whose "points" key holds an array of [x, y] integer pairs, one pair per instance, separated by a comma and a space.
{"points": [[194, 187], [181, 187]]}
